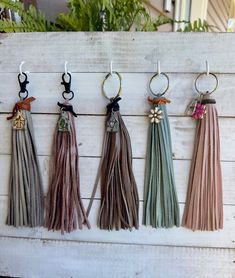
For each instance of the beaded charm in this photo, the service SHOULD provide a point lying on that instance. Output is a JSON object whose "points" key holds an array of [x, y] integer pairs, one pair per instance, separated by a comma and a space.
{"points": [[199, 111]]}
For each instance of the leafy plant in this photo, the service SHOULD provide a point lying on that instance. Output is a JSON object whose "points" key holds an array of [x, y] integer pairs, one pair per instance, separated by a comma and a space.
{"points": [[107, 15], [92, 15], [196, 26], [32, 20]]}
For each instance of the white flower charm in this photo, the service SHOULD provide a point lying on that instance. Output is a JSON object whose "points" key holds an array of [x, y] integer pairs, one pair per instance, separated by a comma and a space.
{"points": [[155, 115]]}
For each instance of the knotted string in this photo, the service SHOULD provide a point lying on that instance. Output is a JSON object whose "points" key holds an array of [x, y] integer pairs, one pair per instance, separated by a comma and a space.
{"points": [[67, 108], [21, 105], [113, 105], [159, 101]]}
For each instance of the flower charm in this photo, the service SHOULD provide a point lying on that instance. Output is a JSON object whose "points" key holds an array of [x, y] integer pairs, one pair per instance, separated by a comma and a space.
{"points": [[155, 115], [199, 111]]}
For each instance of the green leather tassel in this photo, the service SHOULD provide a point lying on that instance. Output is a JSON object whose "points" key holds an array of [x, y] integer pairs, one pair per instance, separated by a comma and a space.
{"points": [[161, 207]]}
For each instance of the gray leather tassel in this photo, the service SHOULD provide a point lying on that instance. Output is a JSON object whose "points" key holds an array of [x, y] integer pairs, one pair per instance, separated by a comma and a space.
{"points": [[25, 191]]}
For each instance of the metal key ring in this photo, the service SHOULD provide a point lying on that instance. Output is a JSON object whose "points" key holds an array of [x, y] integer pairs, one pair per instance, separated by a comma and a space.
{"points": [[120, 84], [70, 92], [167, 87], [20, 92], [208, 92]]}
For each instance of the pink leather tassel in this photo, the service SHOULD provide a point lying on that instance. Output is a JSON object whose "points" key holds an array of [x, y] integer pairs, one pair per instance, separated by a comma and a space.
{"points": [[204, 202]]}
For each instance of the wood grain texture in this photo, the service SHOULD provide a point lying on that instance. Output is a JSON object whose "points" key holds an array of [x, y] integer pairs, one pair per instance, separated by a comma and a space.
{"points": [[80, 260], [145, 235], [134, 54], [131, 52], [88, 99]]}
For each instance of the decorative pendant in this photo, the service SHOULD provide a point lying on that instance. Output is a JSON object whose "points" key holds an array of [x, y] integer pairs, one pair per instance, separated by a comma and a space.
{"points": [[112, 123], [199, 111], [19, 121], [156, 115], [191, 107], [64, 123]]}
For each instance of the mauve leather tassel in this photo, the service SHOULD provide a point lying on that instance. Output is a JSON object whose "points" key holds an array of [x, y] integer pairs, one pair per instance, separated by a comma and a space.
{"points": [[119, 208], [204, 202], [64, 207], [25, 193]]}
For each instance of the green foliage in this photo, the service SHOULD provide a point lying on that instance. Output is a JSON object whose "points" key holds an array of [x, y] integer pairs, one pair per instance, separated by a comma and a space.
{"points": [[196, 26], [32, 20], [106, 15], [92, 15]]}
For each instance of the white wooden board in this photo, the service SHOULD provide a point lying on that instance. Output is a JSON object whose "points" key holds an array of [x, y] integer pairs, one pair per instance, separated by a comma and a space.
{"points": [[144, 235], [88, 99], [80, 260], [134, 54], [131, 52]]}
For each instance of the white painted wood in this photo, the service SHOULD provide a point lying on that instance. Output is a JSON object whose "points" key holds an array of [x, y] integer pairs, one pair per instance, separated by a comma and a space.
{"points": [[59, 259], [131, 52], [47, 89], [145, 235]]}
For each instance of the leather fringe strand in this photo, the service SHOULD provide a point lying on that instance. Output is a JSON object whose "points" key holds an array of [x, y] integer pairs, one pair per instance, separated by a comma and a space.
{"points": [[64, 207], [161, 207], [25, 192], [204, 202]]}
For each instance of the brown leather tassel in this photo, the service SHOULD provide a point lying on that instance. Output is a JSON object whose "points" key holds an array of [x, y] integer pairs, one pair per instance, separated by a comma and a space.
{"points": [[64, 208], [204, 205], [119, 206]]}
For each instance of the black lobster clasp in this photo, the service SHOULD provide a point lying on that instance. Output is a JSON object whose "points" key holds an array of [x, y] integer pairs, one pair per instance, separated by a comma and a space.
{"points": [[23, 85], [67, 86]]}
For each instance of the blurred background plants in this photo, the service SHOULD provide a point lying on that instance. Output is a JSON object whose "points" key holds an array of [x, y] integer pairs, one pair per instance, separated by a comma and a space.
{"points": [[90, 15]]}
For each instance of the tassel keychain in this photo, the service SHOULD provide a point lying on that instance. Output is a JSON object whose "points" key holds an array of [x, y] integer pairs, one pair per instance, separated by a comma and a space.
{"points": [[119, 197], [161, 207], [204, 202], [25, 193], [64, 208]]}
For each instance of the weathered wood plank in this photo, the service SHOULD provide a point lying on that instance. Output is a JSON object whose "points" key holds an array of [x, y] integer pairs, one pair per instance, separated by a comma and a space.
{"points": [[86, 260], [145, 235], [89, 166], [88, 99], [130, 51]]}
